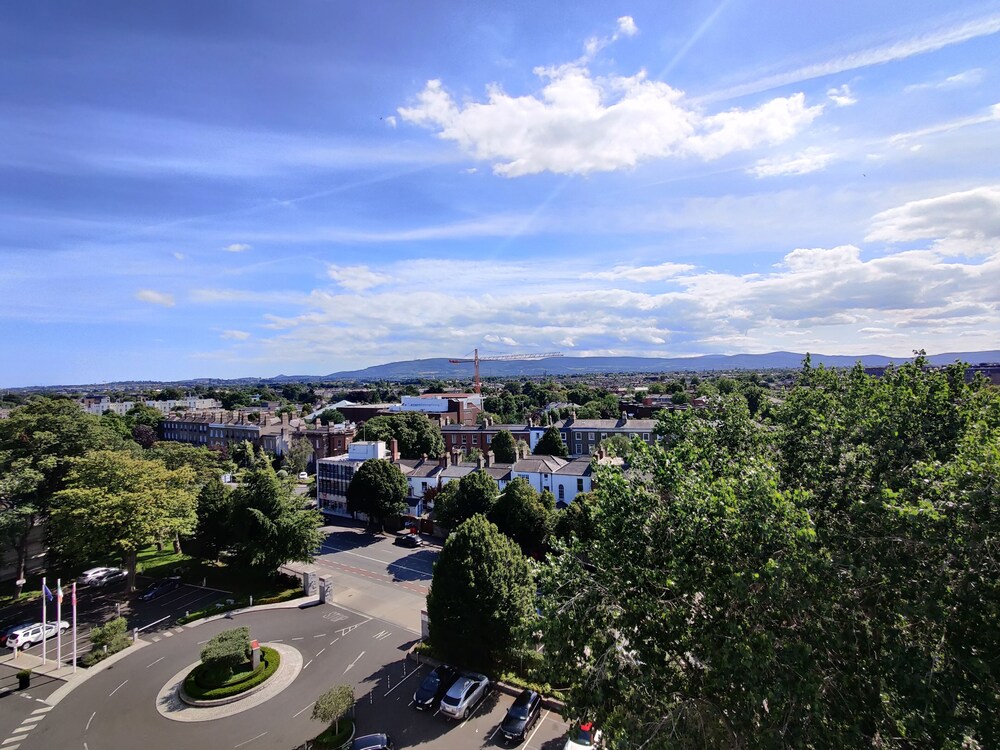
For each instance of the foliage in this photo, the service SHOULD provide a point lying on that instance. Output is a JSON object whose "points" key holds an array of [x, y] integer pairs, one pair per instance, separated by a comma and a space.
{"points": [[331, 416], [223, 653], [205, 463], [616, 445], [378, 489], [115, 503], [576, 519], [334, 705], [140, 414], [270, 659], [503, 447], [474, 493], [106, 639], [520, 514], [481, 597], [269, 525], [415, 434], [215, 512], [297, 458], [551, 444], [243, 454], [820, 581], [144, 435]]}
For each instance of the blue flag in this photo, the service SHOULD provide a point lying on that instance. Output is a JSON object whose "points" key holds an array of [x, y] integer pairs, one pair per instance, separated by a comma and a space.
{"points": [[47, 591]]}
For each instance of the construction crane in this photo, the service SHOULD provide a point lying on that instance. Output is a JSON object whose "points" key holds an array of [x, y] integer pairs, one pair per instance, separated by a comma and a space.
{"points": [[476, 359]]}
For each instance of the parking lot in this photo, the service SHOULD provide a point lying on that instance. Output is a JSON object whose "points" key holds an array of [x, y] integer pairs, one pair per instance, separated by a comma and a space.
{"points": [[387, 707]]}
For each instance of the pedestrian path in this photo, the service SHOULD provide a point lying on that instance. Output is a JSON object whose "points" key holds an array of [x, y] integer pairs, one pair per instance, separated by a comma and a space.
{"points": [[24, 730]]}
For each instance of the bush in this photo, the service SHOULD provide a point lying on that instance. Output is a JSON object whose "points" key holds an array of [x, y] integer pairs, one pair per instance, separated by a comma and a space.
{"points": [[331, 739], [271, 660], [107, 639], [543, 688], [223, 654]]}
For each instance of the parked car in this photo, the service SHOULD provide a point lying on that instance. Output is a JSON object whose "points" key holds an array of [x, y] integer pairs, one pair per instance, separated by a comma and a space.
{"points": [[409, 540], [521, 716], [372, 742], [435, 685], [303, 477], [88, 576], [464, 695], [11, 628], [109, 576], [583, 736], [159, 588], [26, 636]]}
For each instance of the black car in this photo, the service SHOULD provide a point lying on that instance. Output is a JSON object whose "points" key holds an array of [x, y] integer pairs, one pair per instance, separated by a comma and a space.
{"points": [[434, 686], [409, 540], [521, 716], [372, 742], [158, 588], [110, 576]]}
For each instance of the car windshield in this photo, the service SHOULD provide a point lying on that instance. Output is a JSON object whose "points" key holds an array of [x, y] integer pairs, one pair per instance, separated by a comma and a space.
{"points": [[432, 681], [518, 712], [450, 700]]}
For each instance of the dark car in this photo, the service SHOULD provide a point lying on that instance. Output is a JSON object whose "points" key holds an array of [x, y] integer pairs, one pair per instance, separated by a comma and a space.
{"points": [[409, 540], [110, 576], [521, 716], [434, 686], [372, 742], [158, 588]]}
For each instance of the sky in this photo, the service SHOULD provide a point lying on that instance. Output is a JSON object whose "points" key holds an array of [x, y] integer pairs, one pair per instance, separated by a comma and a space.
{"points": [[245, 189]]}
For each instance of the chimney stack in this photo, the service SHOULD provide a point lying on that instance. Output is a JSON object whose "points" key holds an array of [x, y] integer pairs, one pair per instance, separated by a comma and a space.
{"points": [[489, 458], [394, 449], [480, 461], [456, 456], [443, 461]]}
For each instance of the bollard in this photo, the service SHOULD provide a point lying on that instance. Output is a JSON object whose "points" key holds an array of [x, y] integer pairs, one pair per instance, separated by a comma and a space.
{"points": [[251, 600], [135, 634], [187, 613]]}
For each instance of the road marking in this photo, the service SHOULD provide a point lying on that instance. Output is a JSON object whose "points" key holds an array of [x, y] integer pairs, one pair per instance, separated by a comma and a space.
{"points": [[273, 640], [250, 740], [178, 630], [354, 662], [167, 634], [384, 562], [321, 635], [201, 642], [117, 689], [494, 732], [401, 682], [538, 725], [335, 640], [478, 706], [14, 739], [156, 662], [298, 639], [321, 652], [382, 635], [304, 709], [157, 639], [28, 724], [90, 720], [307, 664], [43, 710]]}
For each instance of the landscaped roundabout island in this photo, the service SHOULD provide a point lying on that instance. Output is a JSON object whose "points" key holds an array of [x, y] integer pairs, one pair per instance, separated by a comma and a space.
{"points": [[232, 667]]}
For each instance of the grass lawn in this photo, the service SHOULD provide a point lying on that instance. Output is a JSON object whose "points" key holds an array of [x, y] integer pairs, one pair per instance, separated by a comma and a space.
{"points": [[216, 575]]}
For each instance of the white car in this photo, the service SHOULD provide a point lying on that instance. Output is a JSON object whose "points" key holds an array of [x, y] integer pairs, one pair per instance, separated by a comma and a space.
{"points": [[26, 636], [583, 736], [303, 477], [89, 576], [464, 695]]}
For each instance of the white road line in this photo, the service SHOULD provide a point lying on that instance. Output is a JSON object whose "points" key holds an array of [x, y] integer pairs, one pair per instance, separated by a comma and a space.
{"points": [[321, 635], [537, 727], [384, 562], [250, 740], [167, 634], [17, 739], [201, 642], [401, 682], [307, 664], [24, 728], [354, 662], [156, 662], [13, 747], [298, 639], [476, 709], [321, 652], [335, 640], [494, 732], [117, 689], [90, 720], [43, 710], [304, 709]]}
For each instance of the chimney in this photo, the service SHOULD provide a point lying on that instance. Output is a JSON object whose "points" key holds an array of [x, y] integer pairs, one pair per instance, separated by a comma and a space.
{"points": [[489, 458], [394, 450], [443, 461], [284, 417], [480, 461], [622, 420], [456, 456]]}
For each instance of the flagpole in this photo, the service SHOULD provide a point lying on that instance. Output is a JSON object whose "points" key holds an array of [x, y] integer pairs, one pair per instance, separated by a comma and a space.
{"points": [[74, 627], [44, 621], [59, 596]]}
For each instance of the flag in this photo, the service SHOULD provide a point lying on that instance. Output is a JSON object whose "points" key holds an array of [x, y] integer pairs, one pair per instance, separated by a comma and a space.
{"points": [[59, 592], [47, 591]]}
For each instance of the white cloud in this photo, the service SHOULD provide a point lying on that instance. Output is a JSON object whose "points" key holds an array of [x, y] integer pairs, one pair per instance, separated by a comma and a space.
{"points": [[811, 160], [155, 298], [237, 247], [355, 278], [971, 77], [179, 256], [841, 96], [627, 27], [391, 121], [578, 124], [991, 115], [235, 335], [641, 273], [492, 338], [966, 222]]}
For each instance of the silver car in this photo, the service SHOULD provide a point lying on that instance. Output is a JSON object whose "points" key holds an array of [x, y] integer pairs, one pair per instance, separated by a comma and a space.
{"points": [[464, 695]]}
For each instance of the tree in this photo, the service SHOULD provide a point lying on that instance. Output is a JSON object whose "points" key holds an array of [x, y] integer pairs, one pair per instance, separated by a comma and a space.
{"points": [[576, 519], [551, 444], [243, 454], [520, 514], [144, 435], [115, 503], [377, 489], [215, 513], [415, 434], [331, 416], [334, 705], [224, 653], [296, 460], [481, 597], [475, 493], [269, 526], [503, 447], [204, 462], [145, 415], [37, 443]]}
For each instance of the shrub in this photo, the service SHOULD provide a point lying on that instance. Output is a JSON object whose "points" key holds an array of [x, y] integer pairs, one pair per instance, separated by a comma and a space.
{"points": [[107, 639], [331, 739], [269, 657], [221, 655]]}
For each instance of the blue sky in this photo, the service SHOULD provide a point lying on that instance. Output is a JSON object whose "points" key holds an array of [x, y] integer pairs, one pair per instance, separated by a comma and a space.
{"points": [[244, 189]]}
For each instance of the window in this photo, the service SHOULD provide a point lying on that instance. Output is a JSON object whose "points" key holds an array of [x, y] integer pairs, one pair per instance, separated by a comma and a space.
{"points": [[579, 485], [645, 436], [562, 492], [463, 439], [489, 439], [423, 488], [591, 436]]}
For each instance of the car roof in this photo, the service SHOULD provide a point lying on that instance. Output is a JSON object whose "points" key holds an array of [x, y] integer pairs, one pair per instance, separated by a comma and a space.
{"points": [[370, 740], [525, 698]]}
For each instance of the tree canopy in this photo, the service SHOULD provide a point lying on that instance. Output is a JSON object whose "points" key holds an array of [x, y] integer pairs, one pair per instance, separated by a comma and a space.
{"points": [[459, 501], [551, 444], [503, 447], [481, 597], [377, 489], [520, 514], [415, 434]]}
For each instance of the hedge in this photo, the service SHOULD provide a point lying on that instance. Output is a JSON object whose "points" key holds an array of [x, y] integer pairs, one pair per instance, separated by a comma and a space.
{"points": [[269, 656]]}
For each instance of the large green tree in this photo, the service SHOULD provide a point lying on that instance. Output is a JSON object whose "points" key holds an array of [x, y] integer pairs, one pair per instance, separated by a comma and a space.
{"points": [[37, 443], [116, 503], [296, 460], [377, 489], [459, 501], [503, 447], [551, 444], [269, 525], [481, 598], [415, 434], [205, 463], [215, 515], [520, 514]]}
